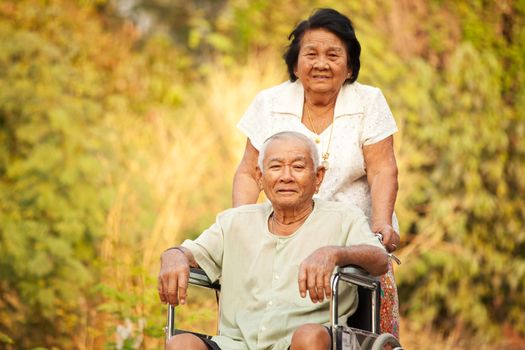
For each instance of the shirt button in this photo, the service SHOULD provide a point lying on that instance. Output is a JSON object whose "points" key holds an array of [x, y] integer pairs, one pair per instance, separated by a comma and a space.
{"points": [[263, 328], [270, 303], [276, 277]]}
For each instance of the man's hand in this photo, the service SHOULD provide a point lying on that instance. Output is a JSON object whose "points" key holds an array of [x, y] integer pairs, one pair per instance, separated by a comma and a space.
{"points": [[173, 277], [315, 273]]}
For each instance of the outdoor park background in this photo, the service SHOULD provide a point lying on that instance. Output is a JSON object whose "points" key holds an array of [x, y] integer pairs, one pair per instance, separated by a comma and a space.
{"points": [[118, 140]]}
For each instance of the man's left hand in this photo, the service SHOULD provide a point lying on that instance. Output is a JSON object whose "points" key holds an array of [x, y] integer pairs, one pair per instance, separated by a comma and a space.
{"points": [[315, 273]]}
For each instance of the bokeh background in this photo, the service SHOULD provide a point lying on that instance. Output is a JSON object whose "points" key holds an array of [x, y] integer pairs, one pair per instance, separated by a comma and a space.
{"points": [[118, 139]]}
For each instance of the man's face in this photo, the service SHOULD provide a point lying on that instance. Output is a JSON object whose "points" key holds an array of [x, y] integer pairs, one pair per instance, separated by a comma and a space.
{"points": [[289, 179]]}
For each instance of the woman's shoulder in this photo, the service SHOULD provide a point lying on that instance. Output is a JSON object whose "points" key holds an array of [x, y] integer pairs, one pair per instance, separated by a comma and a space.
{"points": [[364, 89], [368, 96], [277, 90]]}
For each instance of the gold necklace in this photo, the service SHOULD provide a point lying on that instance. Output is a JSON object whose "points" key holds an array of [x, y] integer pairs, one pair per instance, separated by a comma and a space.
{"points": [[324, 155]]}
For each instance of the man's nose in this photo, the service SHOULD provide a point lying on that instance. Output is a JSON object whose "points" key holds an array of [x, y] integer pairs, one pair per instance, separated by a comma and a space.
{"points": [[286, 175]]}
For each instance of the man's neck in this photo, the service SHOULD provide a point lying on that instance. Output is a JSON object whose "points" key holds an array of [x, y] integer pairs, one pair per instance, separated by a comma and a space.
{"points": [[285, 221]]}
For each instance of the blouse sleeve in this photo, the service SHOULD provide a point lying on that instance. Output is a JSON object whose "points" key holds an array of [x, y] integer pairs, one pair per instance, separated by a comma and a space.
{"points": [[254, 122], [379, 122]]}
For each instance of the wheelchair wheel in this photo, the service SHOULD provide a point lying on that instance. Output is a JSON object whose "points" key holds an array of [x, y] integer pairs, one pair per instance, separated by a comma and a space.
{"points": [[386, 341]]}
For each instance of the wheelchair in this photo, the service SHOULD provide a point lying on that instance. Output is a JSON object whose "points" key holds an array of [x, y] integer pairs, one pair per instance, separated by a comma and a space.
{"points": [[362, 329]]}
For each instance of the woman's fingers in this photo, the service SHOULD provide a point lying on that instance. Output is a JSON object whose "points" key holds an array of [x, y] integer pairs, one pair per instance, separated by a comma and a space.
{"points": [[389, 237]]}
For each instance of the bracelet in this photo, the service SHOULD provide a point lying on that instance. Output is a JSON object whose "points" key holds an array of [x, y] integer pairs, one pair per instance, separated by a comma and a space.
{"points": [[176, 248]]}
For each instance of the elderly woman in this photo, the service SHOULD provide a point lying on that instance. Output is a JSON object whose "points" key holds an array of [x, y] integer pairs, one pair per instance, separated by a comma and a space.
{"points": [[350, 123]]}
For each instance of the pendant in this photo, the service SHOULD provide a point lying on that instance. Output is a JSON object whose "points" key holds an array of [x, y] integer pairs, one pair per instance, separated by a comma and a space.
{"points": [[317, 139], [325, 164]]}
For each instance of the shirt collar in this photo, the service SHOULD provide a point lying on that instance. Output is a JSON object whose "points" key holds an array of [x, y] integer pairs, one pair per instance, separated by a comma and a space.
{"points": [[290, 100]]}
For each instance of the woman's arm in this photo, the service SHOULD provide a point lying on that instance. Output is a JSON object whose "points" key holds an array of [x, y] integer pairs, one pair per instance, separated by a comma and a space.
{"points": [[245, 187], [381, 171]]}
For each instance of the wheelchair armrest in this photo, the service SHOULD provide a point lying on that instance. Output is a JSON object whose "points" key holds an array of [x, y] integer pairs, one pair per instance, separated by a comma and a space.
{"points": [[199, 278], [359, 277]]}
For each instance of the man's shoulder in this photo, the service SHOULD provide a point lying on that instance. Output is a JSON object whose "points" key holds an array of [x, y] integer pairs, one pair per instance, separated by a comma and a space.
{"points": [[244, 210]]}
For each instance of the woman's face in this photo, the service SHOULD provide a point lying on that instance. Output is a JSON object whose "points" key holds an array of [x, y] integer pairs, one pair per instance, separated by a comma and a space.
{"points": [[322, 62]]}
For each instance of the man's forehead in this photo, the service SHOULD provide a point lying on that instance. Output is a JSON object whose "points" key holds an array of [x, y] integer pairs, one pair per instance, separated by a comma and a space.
{"points": [[287, 149], [287, 156]]}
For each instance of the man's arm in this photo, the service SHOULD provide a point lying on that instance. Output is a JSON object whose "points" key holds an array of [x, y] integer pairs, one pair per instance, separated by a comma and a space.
{"points": [[174, 275], [316, 270]]}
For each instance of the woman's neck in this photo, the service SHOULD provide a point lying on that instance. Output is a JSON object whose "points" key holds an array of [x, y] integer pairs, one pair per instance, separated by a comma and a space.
{"points": [[320, 100]]}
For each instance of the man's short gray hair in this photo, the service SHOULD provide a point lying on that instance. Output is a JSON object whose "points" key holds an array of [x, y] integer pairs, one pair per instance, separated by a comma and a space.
{"points": [[287, 135]]}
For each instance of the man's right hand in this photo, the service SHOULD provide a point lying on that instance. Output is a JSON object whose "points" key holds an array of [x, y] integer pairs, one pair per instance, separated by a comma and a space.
{"points": [[173, 277]]}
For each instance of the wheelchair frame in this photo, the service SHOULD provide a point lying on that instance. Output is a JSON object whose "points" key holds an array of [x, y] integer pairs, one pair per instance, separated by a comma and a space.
{"points": [[349, 274]]}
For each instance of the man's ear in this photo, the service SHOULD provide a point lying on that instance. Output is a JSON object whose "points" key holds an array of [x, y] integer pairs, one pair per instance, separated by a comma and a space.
{"points": [[258, 177], [319, 176]]}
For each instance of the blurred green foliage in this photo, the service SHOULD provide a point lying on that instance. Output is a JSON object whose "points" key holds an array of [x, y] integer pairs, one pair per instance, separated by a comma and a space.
{"points": [[117, 134]]}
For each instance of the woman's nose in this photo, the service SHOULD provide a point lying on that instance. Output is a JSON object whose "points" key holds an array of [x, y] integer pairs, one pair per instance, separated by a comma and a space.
{"points": [[321, 63]]}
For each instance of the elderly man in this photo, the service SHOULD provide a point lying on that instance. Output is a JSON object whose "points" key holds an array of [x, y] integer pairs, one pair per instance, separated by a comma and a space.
{"points": [[270, 256]]}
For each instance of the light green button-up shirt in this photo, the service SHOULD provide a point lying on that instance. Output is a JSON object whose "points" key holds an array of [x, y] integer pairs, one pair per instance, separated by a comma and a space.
{"points": [[260, 304]]}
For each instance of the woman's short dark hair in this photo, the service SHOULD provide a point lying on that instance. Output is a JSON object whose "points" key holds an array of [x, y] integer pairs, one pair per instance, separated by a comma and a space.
{"points": [[335, 22]]}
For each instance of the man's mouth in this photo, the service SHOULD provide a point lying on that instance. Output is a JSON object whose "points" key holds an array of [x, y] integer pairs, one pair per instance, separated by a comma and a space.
{"points": [[286, 190]]}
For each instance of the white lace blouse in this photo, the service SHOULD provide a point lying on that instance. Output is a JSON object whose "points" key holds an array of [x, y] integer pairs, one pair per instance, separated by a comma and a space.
{"points": [[362, 117]]}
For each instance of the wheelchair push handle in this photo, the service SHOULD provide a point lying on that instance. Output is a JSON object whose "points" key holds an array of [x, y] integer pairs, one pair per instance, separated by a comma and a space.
{"points": [[390, 255]]}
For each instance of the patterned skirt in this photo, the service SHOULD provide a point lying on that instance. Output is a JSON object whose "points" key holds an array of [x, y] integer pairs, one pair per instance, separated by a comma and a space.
{"points": [[389, 312]]}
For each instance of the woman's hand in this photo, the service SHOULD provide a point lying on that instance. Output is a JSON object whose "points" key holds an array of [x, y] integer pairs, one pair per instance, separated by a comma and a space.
{"points": [[388, 236]]}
